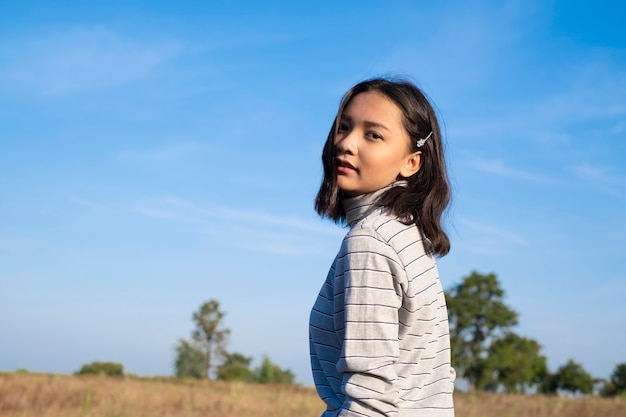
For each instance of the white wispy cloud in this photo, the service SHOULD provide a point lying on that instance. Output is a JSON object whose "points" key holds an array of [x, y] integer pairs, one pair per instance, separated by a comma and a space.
{"points": [[491, 231], [562, 117], [487, 239], [164, 214], [584, 100], [252, 230], [600, 174], [78, 59], [603, 178], [285, 243], [256, 231], [176, 208], [498, 167]]}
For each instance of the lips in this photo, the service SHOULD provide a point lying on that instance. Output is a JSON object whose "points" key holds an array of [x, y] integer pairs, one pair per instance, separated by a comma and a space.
{"points": [[344, 166]]}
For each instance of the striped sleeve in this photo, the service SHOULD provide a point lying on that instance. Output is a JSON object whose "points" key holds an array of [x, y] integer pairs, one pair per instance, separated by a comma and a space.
{"points": [[366, 316]]}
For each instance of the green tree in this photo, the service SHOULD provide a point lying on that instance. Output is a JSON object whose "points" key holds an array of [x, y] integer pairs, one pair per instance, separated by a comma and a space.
{"points": [[209, 338], [571, 377], [618, 378], [190, 361], [616, 385], [236, 367], [102, 368], [514, 363], [477, 314], [270, 373]]}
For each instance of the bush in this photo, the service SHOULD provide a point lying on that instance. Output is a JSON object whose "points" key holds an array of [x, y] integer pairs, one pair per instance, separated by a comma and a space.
{"points": [[102, 368], [236, 367], [270, 373]]}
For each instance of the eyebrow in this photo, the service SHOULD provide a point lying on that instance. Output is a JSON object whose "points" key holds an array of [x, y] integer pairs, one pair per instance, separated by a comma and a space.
{"points": [[367, 123]]}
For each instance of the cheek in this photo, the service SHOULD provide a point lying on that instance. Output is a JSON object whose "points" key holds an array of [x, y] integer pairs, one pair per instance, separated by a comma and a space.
{"points": [[387, 160]]}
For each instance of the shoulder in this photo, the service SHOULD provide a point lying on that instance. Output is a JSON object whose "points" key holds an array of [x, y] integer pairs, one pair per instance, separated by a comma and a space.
{"points": [[383, 232], [387, 228]]}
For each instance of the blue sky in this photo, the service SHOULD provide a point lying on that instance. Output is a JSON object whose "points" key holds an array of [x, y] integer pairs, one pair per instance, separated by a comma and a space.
{"points": [[154, 156]]}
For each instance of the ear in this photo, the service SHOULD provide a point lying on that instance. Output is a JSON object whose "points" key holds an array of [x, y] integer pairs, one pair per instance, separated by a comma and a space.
{"points": [[412, 164]]}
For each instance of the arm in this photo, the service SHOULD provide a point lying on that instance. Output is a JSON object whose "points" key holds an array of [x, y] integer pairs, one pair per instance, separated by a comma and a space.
{"points": [[370, 302]]}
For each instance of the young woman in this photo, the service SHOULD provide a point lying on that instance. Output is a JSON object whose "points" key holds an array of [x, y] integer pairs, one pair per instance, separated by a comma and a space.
{"points": [[379, 338]]}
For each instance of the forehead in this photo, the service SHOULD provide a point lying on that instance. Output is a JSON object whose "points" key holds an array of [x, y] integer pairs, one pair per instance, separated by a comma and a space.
{"points": [[372, 106]]}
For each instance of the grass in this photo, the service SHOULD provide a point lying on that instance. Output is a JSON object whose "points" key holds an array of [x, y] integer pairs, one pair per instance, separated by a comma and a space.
{"points": [[42, 395], [26, 395]]}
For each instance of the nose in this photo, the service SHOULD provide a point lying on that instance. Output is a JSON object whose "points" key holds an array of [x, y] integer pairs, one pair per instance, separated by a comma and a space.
{"points": [[346, 143]]}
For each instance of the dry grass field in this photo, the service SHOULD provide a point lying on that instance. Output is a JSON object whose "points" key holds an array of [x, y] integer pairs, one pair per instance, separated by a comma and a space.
{"points": [[40, 395]]}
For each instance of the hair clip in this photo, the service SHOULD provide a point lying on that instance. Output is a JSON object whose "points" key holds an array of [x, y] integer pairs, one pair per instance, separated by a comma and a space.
{"points": [[421, 142]]}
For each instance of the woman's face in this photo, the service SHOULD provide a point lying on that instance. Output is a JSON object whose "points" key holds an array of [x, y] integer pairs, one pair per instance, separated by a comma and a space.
{"points": [[372, 145]]}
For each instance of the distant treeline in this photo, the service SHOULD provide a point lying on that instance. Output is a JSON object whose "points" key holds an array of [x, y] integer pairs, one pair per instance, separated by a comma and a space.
{"points": [[206, 354], [486, 353], [491, 357]]}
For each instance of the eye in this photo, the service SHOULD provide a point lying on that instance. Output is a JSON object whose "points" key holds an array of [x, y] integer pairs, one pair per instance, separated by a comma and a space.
{"points": [[372, 135], [342, 127]]}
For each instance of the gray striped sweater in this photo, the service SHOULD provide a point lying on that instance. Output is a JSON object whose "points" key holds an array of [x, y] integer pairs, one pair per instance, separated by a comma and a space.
{"points": [[379, 338]]}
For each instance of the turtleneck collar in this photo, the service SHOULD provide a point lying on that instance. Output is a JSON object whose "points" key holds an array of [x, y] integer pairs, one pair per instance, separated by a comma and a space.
{"points": [[358, 207]]}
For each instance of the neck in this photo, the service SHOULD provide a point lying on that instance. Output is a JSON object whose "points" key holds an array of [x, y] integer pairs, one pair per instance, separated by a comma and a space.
{"points": [[358, 207]]}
